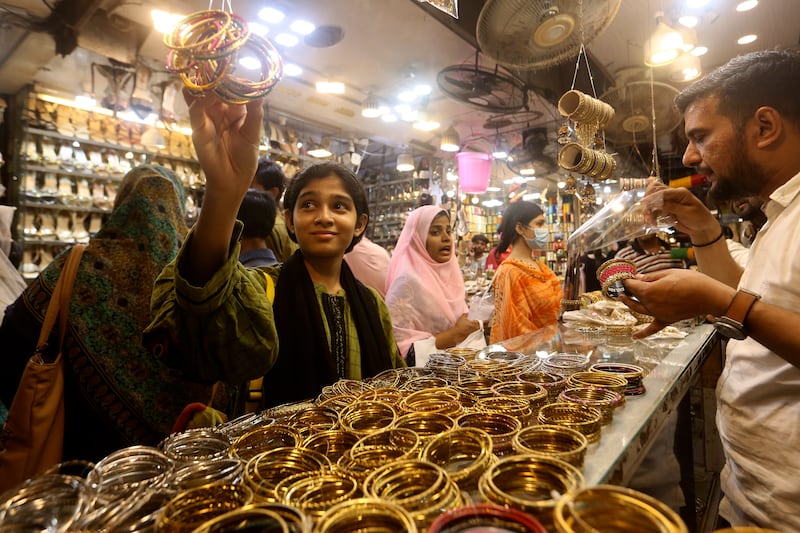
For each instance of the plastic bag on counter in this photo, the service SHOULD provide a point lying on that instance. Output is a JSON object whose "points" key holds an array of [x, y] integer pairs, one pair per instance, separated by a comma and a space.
{"points": [[481, 305]]}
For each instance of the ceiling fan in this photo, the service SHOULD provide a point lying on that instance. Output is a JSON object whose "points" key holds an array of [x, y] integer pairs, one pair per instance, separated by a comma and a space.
{"points": [[494, 90], [640, 104], [531, 34]]}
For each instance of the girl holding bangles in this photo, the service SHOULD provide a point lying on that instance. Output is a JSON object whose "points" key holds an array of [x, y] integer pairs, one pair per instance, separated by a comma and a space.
{"points": [[213, 318]]}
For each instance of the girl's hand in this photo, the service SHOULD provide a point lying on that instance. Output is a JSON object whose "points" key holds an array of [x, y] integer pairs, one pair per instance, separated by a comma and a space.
{"points": [[226, 138]]}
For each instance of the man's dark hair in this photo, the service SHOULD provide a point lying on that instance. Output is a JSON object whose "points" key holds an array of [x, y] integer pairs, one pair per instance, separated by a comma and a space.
{"points": [[480, 237], [257, 212], [323, 170], [269, 175], [747, 82]]}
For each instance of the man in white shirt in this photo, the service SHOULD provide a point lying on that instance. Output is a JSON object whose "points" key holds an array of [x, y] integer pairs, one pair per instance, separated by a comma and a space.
{"points": [[743, 126]]}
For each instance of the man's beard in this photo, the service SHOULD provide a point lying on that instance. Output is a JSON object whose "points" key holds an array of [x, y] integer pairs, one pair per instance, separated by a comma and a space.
{"points": [[744, 179]]}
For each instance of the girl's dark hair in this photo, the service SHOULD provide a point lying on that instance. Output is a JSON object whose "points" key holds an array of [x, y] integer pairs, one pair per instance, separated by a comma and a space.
{"points": [[257, 212], [323, 170], [520, 212]]}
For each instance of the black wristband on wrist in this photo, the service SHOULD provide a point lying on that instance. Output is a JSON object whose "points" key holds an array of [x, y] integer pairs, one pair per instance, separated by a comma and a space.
{"points": [[709, 243]]}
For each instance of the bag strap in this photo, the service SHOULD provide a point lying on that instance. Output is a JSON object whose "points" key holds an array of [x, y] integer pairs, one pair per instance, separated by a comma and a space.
{"points": [[58, 308]]}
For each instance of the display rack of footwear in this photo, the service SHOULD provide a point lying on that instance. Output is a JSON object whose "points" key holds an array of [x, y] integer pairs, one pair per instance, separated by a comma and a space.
{"points": [[68, 162]]}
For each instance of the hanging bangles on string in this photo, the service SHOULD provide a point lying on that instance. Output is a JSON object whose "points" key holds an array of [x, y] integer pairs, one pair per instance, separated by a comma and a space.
{"points": [[205, 48]]}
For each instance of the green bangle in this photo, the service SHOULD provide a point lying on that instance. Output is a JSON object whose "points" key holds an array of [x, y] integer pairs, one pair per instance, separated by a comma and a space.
{"points": [[709, 243]]}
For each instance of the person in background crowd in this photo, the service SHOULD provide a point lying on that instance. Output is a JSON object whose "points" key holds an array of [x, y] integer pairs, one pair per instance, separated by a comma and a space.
{"points": [[213, 317], [649, 253], [753, 218], [257, 213], [370, 264], [425, 289], [743, 125], [494, 257], [116, 393], [527, 293], [590, 262], [270, 178], [476, 256]]}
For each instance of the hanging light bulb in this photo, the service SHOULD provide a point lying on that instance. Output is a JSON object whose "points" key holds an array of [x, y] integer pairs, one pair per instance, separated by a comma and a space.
{"points": [[664, 45], [686, 68], [405, 162], [450, 140], [371, 107]]}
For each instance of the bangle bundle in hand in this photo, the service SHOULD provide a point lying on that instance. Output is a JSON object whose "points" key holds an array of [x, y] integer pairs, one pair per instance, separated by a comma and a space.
{"points": [[204, 52], [612, 273]]}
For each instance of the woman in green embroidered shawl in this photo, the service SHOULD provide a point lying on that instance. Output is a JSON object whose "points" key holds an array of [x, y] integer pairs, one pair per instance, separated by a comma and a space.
{"points": [[116, 392]]}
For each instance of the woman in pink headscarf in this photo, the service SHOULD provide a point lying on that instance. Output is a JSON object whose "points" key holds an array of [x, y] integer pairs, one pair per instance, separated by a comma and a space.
{"points": [[424, 288]]}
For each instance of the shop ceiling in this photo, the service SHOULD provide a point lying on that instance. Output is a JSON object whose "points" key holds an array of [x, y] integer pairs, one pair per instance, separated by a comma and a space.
{"points": [[382, 45]]}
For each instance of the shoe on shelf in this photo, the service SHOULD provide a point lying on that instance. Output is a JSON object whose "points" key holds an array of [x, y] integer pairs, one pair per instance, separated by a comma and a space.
{"points": [[47, 226], [95, 223], [49, 155], [66, 157], [64, 226], [80, 123], [65, 193], [84, 197], [111, 195], [99, 198], [81, 161], [30, 152], [45, 257], [30, 263], [96, 163], [113, 163], [29, 229], [79, 227], [29, 186], [64, 122]]}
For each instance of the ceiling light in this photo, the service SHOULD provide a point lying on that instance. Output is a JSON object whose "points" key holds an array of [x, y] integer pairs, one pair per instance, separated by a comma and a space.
{"points": [[747, 5], [389, 117], [371, 107], [527, 171], [561, 184], [694, 4], [422, 89], [303, 27], [402, 109], [405, 162], [258, 29], [494, 202], [450, 140], [500, 148], [406, 96], [330, 87], [493, 189], [290, 69], [689, 21], [287, 39], [747, 39], [426, 125], [699, 51], [164, 22], [271, 15], [686, 68], [475, 200], [663, 46]]}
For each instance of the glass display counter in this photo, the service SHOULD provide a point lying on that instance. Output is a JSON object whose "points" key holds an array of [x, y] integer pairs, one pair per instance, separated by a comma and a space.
{"points": [[680, 376]]}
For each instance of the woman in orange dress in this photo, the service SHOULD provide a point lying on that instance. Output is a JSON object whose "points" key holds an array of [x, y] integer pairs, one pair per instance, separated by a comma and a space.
{"points": [[527, 293]]}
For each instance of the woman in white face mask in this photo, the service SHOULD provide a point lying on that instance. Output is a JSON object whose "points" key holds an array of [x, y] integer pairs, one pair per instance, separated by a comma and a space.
{"points": [[527, 293]]}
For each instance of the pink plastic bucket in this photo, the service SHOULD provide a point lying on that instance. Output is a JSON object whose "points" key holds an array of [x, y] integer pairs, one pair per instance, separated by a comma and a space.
{"points": [[474, 171]]}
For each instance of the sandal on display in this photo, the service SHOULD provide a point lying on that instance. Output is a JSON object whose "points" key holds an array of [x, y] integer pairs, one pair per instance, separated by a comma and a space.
{"points": [[45, 257], [65, 194], [47, 228], [30, 263], [79, 225], [99, 198], [111, 195], [95, 223], [84, 194], [29, 228], [80, 123], [64, 226]]}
